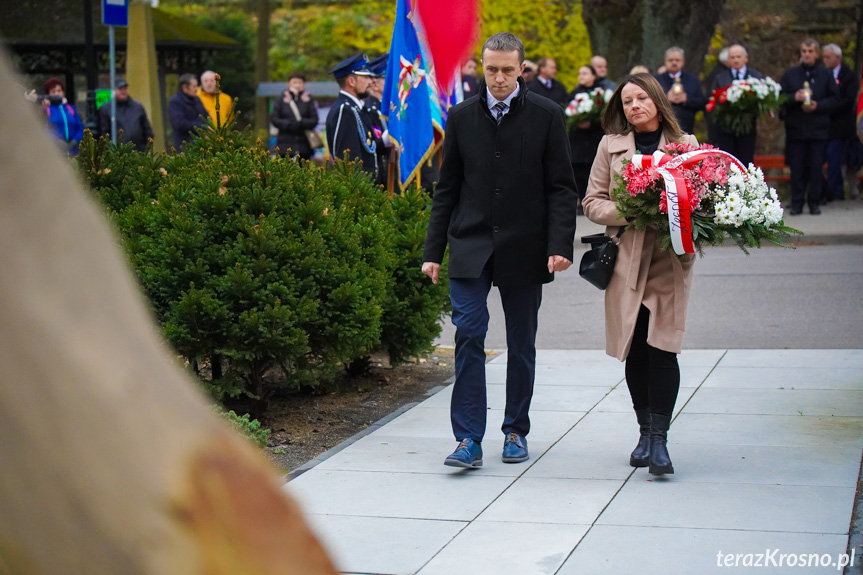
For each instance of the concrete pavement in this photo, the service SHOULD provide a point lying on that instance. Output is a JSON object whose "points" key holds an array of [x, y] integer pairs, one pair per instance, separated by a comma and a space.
{"points": [[766, 444]]}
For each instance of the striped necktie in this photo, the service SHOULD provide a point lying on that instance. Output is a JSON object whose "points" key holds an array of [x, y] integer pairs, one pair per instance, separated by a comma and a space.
{"points": [[499, 109]]}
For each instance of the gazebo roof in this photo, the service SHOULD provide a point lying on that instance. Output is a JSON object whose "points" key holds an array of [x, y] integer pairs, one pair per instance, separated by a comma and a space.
{"points": [[41, 24]]}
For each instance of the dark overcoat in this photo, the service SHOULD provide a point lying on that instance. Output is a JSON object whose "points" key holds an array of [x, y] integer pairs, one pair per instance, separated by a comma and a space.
{"points": [[292, 131], [505, 191], [843, 119], [695, 100], [557, 92], [800, 125]]}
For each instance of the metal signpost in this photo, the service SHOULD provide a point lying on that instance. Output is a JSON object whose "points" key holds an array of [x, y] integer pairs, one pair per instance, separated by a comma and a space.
{"points": [[114, 13]]}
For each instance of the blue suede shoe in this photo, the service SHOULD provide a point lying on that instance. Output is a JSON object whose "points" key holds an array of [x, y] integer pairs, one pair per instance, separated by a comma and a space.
{"points": [[514, 449], [468, 454]]}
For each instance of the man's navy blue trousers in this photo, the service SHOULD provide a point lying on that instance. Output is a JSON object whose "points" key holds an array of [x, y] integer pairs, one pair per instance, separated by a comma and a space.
{"points": [[470, 316]]}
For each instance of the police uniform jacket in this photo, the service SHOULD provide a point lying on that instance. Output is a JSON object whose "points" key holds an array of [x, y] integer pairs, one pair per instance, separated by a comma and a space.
{"points": [[505, 192], [349, 129]]}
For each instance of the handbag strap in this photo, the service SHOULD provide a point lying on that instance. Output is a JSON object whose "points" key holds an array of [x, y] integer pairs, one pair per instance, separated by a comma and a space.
{"points": [[296, 110]]}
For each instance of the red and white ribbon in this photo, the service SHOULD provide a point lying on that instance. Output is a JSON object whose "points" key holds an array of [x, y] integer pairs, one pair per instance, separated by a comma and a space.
{"points": [[677, 190]]}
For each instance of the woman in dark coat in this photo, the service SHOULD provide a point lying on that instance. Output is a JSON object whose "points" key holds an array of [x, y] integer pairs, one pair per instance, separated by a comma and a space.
{"points": [[584, 137], [295, 101]]}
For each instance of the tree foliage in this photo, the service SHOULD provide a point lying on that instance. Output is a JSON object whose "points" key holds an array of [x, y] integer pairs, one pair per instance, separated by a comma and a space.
{"points": [[551, 28], [266, 262]]}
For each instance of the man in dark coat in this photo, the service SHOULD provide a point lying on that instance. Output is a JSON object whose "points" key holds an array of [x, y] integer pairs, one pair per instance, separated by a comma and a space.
{"points": [[186, 110], [683, 89], [740, 145], [505, 204], [293, 114], [812, 95], [843, 147], [132, 122], [545, 83], [349, 128]]}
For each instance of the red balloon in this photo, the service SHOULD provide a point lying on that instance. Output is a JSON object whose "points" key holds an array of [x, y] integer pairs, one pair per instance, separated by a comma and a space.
{"points": [[451, 29]]}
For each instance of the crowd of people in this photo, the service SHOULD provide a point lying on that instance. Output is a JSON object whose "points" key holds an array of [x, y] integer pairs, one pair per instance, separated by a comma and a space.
{"points": [[820, 114]]}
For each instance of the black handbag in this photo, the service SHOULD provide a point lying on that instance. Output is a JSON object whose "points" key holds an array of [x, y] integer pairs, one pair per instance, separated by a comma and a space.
{"points": [[597, 264]]}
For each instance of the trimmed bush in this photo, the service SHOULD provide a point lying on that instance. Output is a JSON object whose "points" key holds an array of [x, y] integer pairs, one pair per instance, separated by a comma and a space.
{"points": [[258, 263]]}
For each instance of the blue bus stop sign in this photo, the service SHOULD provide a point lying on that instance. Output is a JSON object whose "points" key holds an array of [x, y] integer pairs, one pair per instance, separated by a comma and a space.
{"points": [[115, 12]]}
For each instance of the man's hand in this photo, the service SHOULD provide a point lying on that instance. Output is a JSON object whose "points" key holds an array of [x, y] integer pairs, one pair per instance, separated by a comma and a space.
{"points": [[555, 264], [800, 95], [287, 96], [810, 107], [676, 96], [432, 270]]}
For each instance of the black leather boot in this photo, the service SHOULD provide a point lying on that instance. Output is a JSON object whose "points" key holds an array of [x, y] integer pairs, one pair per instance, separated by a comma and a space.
{"points": [[660, 461], [641, 453]]}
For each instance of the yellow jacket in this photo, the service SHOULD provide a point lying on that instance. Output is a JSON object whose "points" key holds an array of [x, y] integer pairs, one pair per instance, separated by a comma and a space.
{"points": [[209, 101]]}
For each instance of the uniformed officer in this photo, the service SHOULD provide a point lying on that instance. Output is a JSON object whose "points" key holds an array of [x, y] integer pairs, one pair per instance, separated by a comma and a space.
{"points": [[349, 128], [378, 66]]}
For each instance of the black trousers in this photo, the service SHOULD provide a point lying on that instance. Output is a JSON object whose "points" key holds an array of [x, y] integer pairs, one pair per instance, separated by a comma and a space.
{"points": [[652, 375], [582, 176], [742, 147], [806, 160]]}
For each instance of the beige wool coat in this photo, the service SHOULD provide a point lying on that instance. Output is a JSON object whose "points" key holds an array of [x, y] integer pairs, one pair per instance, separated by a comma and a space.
{"points": [[643, 273]]}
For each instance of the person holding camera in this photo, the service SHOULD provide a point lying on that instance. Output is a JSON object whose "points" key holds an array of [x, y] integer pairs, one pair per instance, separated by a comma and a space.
{"points": [[64, 120]]}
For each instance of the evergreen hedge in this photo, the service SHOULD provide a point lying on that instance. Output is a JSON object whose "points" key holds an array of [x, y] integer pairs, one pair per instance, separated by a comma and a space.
{"points": [[252, 262]]}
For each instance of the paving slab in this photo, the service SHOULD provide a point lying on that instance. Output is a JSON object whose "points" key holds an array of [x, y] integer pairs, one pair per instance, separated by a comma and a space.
{"points": [[667, 502], [614, 549], [409, 496], [383, 545], [785, 378], [507, 549], [546, 398]]}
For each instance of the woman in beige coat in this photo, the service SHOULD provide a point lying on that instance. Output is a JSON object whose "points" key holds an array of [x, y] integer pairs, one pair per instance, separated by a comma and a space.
{"points": [[645, 303]]}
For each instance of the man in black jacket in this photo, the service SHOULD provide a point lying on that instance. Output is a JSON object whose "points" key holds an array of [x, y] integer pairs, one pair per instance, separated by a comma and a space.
{"points": [[683, 89], [186, 110], [812, 95], [740, 145], [349, 127], [293, 114], [505, 204], [132, 122], [843, 147], [545, 83]]}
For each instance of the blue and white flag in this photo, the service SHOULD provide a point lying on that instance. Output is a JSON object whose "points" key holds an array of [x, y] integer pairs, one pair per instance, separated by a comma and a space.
{"points": [[406, 100]]}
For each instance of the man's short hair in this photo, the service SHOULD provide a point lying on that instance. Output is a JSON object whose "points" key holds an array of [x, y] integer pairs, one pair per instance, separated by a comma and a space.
{"points": [[186, 80], [811, 42], [542, 63], [833, 48], [675, 49], [298, 75], [205, 73], [505, 42]]}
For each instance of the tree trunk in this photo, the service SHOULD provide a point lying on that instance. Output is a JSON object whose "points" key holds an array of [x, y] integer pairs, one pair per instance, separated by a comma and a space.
{"points": [[262, 65], [632, 32], [112, 461]]}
